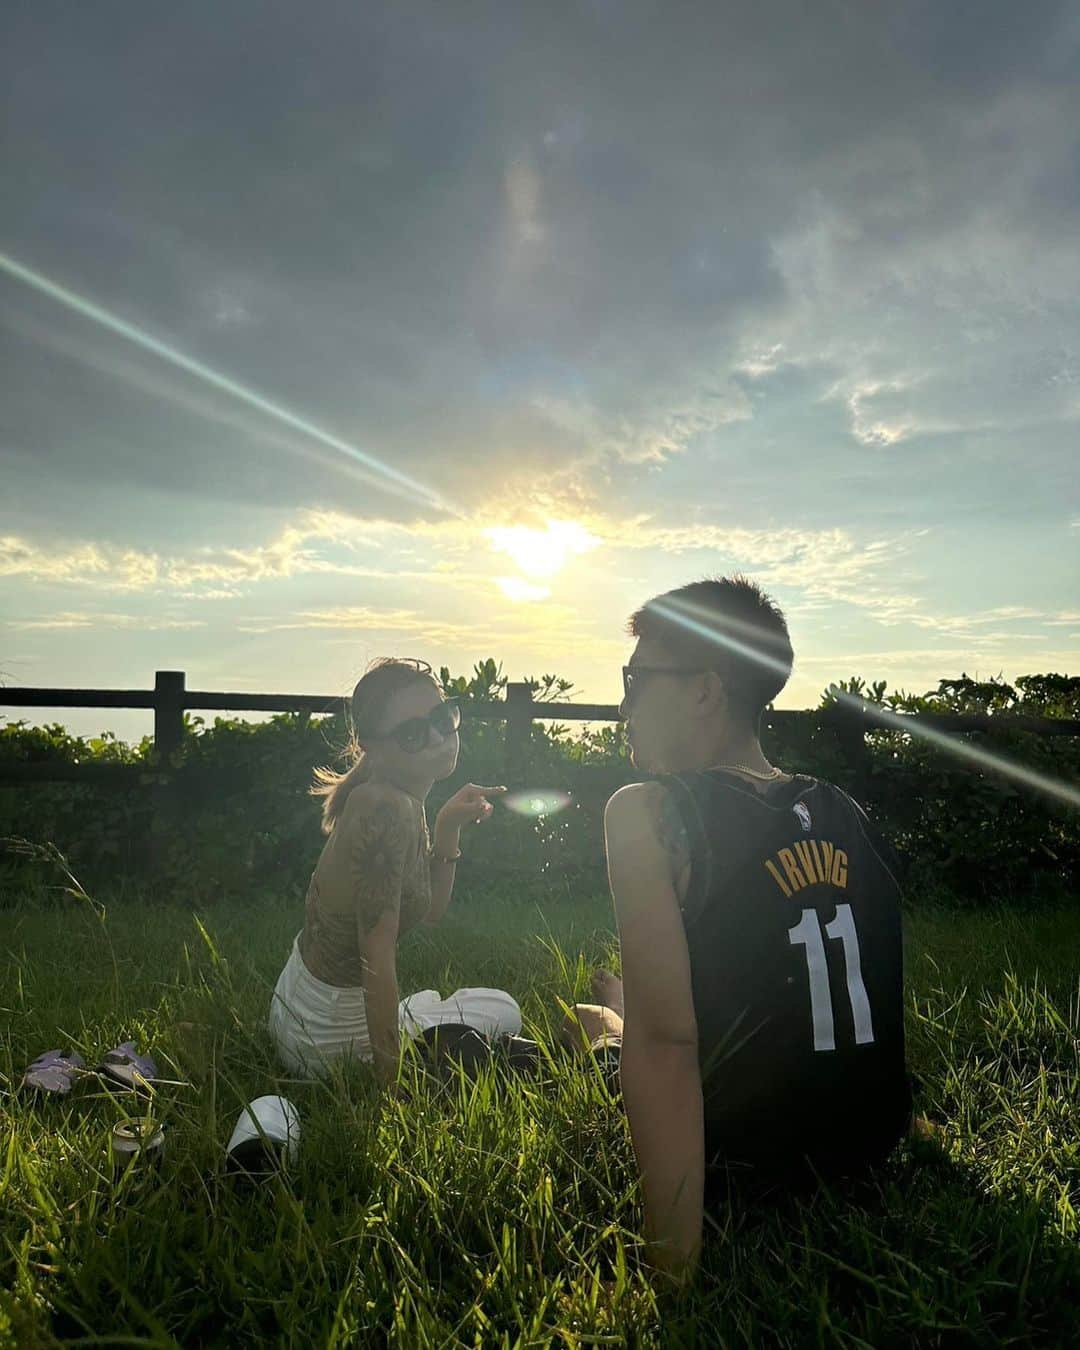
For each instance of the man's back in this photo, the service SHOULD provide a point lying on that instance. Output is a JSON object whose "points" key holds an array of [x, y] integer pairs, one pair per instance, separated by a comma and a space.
{"points": [[793, 929]]}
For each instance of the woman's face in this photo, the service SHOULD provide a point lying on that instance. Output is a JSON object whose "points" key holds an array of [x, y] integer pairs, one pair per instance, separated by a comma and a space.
{"points": [[406, 710]]}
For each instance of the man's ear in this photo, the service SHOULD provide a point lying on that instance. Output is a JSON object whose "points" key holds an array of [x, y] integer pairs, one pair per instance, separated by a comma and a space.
{"points": [[712, 696]]}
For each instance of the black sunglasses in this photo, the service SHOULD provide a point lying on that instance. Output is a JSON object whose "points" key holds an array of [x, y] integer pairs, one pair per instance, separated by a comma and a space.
{"points": [[414, 733], [630, 674]]}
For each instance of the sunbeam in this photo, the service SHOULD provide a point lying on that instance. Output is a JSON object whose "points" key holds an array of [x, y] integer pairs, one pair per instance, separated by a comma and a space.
{"points": [[391, 479], [683, 611], [986, 759], [700, 622]]}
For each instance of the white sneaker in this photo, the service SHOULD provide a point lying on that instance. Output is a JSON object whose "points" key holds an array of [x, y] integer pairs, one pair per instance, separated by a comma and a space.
{"points": [[267, 1133]]}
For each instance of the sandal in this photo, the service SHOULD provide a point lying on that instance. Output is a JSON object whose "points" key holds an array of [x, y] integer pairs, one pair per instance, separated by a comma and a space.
{"points": [[127, 1068], [55, 1071], [451, 1044]]}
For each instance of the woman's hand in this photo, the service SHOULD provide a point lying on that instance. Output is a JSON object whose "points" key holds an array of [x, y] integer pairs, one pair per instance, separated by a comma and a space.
{"points": [[468, 806]]}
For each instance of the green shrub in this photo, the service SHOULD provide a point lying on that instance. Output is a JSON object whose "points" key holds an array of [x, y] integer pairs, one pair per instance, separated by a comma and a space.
{"points": [[234, 814]]}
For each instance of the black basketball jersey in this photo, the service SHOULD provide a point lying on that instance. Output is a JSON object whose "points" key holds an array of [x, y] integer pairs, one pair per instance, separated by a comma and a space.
{"points": [[792, 922]]}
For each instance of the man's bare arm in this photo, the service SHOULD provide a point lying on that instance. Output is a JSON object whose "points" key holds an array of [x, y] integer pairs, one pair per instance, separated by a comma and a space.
{"points": [[661, 1081]]}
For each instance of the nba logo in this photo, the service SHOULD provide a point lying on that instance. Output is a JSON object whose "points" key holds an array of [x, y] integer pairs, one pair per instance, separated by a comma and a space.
{"points": [[803, 812]]}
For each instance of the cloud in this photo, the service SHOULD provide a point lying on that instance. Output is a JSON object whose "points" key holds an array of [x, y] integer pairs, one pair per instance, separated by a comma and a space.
{"points": [[514, 588], [931, 662], [829, 565], [353, 618], [107, 568], [539, 630], [74, 565], [610, 274], [961, 325], [89, 619], [221, 571], [819, 569], [522, 203]]}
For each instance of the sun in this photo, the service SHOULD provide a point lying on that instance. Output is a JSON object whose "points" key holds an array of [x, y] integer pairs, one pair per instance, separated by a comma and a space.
{"points": [[541, 553], [517, 588]]}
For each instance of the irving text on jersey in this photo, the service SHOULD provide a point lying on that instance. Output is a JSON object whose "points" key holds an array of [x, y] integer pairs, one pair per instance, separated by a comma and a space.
{"points": [[809, 862]]}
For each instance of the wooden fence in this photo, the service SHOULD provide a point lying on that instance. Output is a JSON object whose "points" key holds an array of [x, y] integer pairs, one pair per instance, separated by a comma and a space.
{"points": [[170, 698]]}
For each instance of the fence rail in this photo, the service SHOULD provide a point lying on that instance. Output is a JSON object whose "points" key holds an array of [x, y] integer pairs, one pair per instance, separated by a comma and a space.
{"points": [[170, 699]]}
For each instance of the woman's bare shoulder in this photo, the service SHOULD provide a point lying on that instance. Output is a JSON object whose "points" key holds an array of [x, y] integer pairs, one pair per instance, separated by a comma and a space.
{"points": [[378, 808], [379, 835]]}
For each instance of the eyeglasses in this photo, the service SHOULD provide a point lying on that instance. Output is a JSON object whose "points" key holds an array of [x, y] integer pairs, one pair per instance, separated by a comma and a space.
{"points": [[631, 674], [414, 733]]}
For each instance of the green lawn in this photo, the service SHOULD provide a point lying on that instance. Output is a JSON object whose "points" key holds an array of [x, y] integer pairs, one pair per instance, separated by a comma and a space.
{"points": [[471, 1218]]}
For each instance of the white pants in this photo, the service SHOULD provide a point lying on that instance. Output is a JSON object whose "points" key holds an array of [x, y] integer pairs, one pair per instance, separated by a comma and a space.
{"points": [[314, 1023]]}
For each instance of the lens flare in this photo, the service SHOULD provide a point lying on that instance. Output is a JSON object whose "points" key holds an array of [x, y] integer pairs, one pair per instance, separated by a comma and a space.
{"points": [[537, 802], [702, 623], [389, 478], [973, 754]]}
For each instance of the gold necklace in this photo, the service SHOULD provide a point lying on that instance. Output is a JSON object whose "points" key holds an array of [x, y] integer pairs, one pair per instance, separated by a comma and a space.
{"points": [[741, 768]]}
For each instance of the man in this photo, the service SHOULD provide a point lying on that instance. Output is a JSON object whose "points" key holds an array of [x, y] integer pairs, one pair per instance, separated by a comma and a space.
{"points": [[760, 1010]]}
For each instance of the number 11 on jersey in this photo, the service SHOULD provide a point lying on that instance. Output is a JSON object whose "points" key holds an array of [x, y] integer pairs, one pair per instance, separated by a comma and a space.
{"points": [[807, 933]]}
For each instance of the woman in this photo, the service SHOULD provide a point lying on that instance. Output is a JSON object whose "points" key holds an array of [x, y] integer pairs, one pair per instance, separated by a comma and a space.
{"points": [[379, 875]]}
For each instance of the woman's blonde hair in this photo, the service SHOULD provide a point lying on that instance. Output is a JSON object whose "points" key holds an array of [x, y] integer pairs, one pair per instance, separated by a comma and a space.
{"points": [[374, 690]]}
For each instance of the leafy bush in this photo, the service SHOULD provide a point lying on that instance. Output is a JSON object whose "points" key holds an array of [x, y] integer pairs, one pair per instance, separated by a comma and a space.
{"points": [[974, 829], [234, 814]]}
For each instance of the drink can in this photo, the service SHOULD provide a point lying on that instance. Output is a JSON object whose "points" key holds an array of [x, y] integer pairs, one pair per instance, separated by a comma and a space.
{"points": [[136, 1140]]}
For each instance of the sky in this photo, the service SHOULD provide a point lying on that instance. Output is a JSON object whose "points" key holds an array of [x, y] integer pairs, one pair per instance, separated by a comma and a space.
{"points": [[336, 331]]}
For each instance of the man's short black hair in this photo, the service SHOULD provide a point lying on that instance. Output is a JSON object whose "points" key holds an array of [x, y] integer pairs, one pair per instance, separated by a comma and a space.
{"points": [[726, 624]]}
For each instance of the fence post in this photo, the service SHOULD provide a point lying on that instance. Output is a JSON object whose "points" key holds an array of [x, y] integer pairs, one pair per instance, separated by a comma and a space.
{"points": [[518, 721], [168, 714], [168, 735]]}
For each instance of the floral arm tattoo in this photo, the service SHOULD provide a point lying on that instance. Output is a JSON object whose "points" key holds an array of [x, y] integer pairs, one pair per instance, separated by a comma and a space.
{"points": [[668, 828], [380, 841]]}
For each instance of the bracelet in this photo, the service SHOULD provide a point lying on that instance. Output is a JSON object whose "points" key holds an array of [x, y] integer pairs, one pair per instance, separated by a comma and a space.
{"points": [[438, 857]]}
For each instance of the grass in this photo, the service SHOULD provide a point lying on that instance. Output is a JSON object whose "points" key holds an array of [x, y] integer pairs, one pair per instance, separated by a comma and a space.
{"points": [[487, 1217]]}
